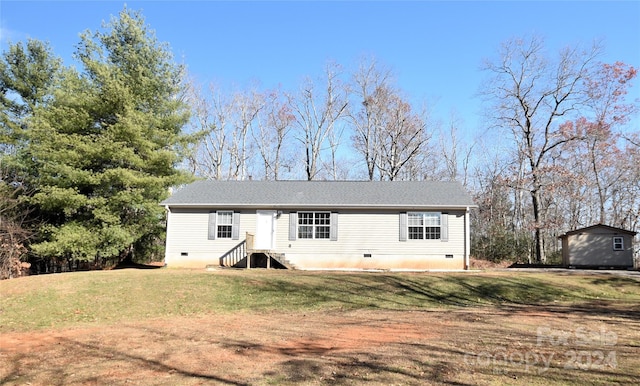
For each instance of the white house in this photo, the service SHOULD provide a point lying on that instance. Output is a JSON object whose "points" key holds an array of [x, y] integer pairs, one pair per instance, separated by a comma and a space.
{"points": [[408, 225]]}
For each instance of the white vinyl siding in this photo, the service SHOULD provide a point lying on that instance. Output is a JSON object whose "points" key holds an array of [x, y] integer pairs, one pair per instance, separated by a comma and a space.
{"points": [[190, 244], [371, 233], [375, 233]]}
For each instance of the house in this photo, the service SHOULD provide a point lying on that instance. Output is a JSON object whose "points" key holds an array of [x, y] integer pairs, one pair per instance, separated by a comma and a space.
{"points": [[407, 225], [598, 246]]}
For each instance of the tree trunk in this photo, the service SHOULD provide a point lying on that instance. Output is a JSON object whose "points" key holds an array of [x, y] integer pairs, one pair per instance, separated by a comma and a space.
{"points": [[539, 247]]}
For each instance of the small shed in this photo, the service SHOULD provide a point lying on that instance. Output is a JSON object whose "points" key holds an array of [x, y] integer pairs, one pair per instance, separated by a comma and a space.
{"points": [[598, 246]]}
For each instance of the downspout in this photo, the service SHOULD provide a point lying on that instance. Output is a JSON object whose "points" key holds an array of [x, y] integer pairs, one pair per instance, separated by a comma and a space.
{"points": [[467, 239], [167, 238]]}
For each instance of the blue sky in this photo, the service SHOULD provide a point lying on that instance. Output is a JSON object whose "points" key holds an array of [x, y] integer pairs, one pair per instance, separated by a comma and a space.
{"points": [[435, 48]]}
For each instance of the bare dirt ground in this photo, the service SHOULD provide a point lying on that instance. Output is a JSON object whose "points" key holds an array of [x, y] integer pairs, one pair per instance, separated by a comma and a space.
{"points": [[465, 347]]}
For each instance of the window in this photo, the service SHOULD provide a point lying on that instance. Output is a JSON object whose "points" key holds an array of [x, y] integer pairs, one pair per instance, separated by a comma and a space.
{"points": [[224, 225], [314, 225], [424, 225], [618, 243]]}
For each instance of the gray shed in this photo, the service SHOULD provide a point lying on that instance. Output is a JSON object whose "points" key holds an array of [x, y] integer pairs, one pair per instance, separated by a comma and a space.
{"points": [[598, 246]]}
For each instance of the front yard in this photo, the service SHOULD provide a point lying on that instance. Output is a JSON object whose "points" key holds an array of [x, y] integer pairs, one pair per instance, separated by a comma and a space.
{"points": [[165, 326]]}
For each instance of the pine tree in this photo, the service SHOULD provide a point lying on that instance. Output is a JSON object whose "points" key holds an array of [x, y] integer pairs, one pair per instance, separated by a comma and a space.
{"points": [[107, 146]]}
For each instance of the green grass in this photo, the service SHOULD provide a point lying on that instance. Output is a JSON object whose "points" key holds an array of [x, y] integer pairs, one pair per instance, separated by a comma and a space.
{"points": [[170, 326], [110, 297]]}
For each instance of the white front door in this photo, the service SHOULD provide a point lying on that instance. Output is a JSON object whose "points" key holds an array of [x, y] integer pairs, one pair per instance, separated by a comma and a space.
{"points": [[265, 230]]}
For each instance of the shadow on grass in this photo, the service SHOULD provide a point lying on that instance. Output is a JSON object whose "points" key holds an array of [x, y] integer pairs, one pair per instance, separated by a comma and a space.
{"points": [[126, 265], [616, 281], [111, 354], [397, 292], [474, 352]]}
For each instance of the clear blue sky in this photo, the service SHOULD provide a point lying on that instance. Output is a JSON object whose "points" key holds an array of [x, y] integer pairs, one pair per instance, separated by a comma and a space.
{"points": [[435, 48]]}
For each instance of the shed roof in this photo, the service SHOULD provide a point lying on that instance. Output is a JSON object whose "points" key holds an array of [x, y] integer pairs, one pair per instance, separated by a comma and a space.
{"points": [[322, 194], [607, 227]]}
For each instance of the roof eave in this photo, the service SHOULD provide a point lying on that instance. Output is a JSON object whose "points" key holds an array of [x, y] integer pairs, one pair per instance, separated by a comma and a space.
{"points": [[317, 206]]}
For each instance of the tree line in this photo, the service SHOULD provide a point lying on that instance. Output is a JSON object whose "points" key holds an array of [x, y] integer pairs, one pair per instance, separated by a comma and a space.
{"points": [[339, 125], [86, 155]]}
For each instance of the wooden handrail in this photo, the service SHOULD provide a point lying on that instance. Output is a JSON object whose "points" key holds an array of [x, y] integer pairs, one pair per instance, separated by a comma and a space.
{"points": [[233, 256], [250, 239]]}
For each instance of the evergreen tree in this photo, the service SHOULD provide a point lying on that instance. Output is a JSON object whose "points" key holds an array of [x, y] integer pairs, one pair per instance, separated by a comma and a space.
{"points": [[27, 74], [107, 146]]}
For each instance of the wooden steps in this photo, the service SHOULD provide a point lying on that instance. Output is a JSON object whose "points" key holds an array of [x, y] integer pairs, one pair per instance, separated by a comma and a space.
{"points": [[243, 254]]}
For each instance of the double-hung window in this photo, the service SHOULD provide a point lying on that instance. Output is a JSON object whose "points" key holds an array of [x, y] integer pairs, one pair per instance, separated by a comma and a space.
{"points": [[224, 224], [424, 225], [314, 225]]}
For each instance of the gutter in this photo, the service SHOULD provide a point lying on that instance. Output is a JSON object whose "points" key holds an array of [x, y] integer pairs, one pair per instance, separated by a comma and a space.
{"points": [[467, 238], [319, 206]]}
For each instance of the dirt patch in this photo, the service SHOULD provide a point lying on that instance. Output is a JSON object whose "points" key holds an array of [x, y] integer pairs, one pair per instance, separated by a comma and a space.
{"points": [[354, 347], [241, 348]]}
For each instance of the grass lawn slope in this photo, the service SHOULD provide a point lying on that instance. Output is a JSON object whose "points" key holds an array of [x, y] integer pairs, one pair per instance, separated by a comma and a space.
{"points": [[168, 326]]}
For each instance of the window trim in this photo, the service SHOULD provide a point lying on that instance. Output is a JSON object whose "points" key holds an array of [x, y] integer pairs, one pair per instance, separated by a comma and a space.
{"points": [[618, 243], [314, 226], [219, 224], [214, 225], [425, 225]]}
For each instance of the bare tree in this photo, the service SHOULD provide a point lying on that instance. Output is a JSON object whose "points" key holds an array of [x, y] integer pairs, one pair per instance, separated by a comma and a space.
{"points": [[225, 122], [244, 108], [626, 199], [456, 164], [211, 116], [316, 116], [593, 186], [14, 232], [530, 94], [633, 140], [366, 112], [272, 129], [606, 88], [494, 236], [402, 135], [574, 193], [335, 139]]}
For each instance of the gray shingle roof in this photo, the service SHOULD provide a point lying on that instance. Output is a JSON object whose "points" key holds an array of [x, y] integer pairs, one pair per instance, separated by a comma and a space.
{"points": [[610, 228], [321, 194]]}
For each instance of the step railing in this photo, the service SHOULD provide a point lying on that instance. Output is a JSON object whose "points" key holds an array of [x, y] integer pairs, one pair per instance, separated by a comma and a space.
{"points": [[244, 250], [235, 255], [238, 253], [249, 238]]}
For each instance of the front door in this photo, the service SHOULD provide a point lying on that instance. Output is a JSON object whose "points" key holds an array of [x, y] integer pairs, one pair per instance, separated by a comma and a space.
{"points": [[265, 230]]}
